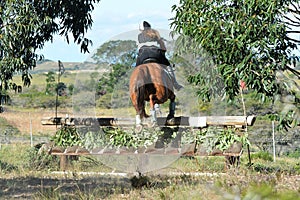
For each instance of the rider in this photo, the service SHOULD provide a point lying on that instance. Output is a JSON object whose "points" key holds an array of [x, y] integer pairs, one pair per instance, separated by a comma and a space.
{"points": [[151, 45]]}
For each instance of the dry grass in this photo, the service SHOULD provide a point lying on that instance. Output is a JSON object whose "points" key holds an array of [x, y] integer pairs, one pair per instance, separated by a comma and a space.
{"points": [[30, 120], [228, 186], [207, 181], [27, 121]]}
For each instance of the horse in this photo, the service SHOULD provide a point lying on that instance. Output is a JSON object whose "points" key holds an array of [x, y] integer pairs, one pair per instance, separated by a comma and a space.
{"points": [[151, 82]]}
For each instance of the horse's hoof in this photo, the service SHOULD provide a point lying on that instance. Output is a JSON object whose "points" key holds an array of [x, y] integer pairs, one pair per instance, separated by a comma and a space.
{"points": [[138, 128], [171, 121], [152, 124]]}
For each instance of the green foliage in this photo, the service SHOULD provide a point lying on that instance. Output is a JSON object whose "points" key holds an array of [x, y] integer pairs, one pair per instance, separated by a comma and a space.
{"points": [[50, 83], [120, 55], [67, 136], [116, 52], [246, 40], [61, 89], [293, 154], [267, 191], [285, 120], [262, 155], [37, 99], [118, 137], [25, 27], [109, 80], [36, 160], [121, 138], [199, 68], [71, 88], [94, 139], [116, 83], [6, 167], [53, 88], [104, 101], [221, 139]]}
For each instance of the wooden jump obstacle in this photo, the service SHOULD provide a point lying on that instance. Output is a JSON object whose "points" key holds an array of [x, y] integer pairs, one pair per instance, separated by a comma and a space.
{"points": [[239, 122], [194, 122]]}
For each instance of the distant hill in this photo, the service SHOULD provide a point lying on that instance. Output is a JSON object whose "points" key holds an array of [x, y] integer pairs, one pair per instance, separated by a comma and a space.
{"points": [[48, 65]]}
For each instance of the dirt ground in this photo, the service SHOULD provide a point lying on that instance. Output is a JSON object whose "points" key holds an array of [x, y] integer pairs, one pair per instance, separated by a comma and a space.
{"points": [[31, 121], [36, 188], [76, 186]]}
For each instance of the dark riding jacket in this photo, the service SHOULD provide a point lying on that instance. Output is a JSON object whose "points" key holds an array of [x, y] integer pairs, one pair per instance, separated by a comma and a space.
{"points": [[149, 48]]}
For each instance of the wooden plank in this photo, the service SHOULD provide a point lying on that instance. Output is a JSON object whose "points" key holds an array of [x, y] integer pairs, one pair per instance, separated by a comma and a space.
{"points": [[230, 120], [197, 122], [205, 121]]}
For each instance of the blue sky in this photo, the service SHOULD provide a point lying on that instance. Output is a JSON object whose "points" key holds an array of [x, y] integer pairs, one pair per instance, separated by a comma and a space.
{"points": [[112, 18]]}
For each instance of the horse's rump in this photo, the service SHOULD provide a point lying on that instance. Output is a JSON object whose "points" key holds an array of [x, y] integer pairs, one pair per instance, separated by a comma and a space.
{"points": [[150, 79]]}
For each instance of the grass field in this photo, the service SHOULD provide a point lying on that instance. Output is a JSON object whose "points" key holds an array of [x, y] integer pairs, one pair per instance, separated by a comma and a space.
{"points": [[186, 178], [24, 174], [23, 177]]}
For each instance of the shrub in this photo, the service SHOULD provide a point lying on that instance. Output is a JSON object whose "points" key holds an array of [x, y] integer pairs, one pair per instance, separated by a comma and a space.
{"points": [[94, 139], [293, 154], [262, 155], [263, 168], [67, 136], [6, 167], [220, 138], [35, 160]]}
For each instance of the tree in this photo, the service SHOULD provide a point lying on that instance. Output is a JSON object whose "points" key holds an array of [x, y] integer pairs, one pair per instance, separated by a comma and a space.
{"points": [[50, 83], [116, 51], [61, 89], [26, 25], [248, 40], [120, 55]]}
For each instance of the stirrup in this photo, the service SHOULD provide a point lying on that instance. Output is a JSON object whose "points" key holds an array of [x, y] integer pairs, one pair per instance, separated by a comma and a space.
{"points": [[177, 86], [170, 69]]}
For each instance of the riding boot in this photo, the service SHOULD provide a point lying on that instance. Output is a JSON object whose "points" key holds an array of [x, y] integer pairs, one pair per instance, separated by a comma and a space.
{"points": [[177, 86]]}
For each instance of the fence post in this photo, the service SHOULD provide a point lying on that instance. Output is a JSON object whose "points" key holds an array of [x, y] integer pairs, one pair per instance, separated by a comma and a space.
{"points": [[273, 134], [30, 127]]}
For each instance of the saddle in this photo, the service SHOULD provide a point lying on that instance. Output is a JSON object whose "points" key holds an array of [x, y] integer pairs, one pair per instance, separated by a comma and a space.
{"points": [[151, 60]]}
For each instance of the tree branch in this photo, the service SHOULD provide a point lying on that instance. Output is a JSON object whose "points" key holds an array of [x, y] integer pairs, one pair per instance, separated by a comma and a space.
{"points": [[292, 22], [293, 71], [293, 31], [294, 40], [295, 7]]}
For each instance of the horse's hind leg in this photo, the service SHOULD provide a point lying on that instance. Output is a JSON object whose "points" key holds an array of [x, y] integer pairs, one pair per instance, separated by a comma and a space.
{"points": [[152, 108], [172, 107], [171, 115], [138, 120]]}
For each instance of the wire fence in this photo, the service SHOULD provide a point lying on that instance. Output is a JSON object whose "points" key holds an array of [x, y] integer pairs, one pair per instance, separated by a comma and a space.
{"points": [[260, 137], [265, 138]]}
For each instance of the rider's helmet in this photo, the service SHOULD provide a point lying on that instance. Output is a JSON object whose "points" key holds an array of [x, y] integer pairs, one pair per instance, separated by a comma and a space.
{"points": [[144, 25]]}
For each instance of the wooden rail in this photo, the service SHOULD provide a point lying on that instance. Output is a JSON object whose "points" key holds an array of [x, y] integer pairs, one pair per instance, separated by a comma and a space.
{"points": [[195, 122], [188, 150]]}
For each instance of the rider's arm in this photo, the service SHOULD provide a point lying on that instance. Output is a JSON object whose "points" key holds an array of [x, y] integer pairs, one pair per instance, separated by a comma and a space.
{"points": [[160, 41], [162, 44]]}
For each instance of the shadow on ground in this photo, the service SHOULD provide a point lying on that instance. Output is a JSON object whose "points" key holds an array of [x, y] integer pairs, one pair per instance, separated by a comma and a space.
{"points": [[32, 187]]}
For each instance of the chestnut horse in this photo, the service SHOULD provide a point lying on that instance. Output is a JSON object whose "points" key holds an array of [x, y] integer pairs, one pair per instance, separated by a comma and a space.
{"points": [[151, 82]]}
